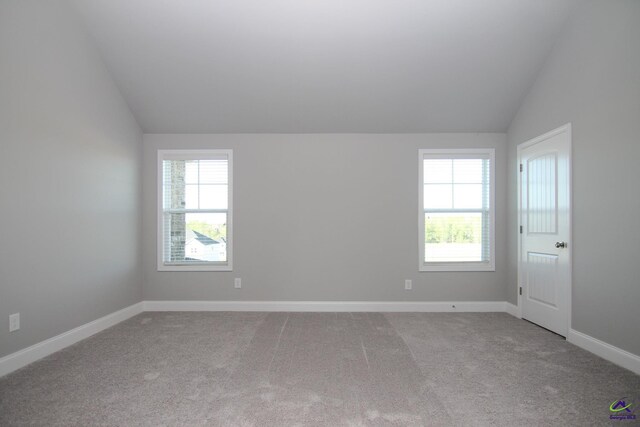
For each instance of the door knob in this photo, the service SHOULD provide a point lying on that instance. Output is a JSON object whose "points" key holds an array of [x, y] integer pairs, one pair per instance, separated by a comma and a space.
{"points": [[561, 244]]}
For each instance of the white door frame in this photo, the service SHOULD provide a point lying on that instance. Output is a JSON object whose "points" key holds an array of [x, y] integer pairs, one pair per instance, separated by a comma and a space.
{"points": [[565, 128]]}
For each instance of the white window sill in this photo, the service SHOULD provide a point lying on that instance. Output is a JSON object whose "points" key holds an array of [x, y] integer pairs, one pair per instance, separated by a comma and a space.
{"points": [[454, 266], [195, 267]]}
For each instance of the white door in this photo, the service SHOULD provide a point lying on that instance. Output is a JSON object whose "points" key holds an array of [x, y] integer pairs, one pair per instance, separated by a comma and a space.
{"points": [[544, 269]]}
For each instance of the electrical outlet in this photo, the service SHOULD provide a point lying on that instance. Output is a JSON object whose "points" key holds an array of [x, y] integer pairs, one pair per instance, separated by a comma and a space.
{"points": [[237, 283], [14, 322], [408, 285]]}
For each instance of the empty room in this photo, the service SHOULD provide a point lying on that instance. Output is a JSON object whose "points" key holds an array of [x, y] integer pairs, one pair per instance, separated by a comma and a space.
{"points": [[319, 212]]}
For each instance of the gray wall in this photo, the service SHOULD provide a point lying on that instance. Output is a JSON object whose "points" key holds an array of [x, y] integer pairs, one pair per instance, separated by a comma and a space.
{"points": [[323, 217], [592, 79], [69, 179]]}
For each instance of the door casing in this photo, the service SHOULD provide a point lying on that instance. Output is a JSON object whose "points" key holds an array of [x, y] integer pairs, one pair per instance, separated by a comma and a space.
{"points": [[562, 129]]}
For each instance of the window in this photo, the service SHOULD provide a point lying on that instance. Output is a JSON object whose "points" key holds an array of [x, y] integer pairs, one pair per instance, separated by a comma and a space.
{"points": [[456, 220], [194, 210]]}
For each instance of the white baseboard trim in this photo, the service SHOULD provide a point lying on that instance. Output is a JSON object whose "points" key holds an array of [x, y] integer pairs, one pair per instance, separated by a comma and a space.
{"points": [[608, 352], [327, 306], [511, 309], [42, 349]]}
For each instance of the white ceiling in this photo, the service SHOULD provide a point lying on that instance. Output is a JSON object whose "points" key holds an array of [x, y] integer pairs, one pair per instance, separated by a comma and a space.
{"points": [[200, 66]]}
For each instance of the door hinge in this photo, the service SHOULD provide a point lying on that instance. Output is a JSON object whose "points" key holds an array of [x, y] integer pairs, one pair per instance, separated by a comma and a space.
{"points": [[520, 290], [520, 229], [521, 168]]}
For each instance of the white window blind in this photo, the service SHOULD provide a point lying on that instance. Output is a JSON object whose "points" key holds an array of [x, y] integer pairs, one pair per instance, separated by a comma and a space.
{"points": [[456, 217], [195, 210]]}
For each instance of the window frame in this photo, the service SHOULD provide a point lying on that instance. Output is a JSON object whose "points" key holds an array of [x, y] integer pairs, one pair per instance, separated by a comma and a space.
{"points": [[454, 266], [194, 154]]}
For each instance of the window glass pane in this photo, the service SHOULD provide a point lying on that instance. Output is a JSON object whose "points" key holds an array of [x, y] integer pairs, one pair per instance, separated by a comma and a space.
{"points": [[453, 237], [437, 171], [195, 237], [438, 196], [171, 200], [173, 180], [467, 196], [191, 171], [213, 196], [214, 172], [467, 171], [191, 196]]}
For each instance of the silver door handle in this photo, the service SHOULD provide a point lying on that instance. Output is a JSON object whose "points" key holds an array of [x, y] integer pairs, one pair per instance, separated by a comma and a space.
{"points": [[561, 245]]}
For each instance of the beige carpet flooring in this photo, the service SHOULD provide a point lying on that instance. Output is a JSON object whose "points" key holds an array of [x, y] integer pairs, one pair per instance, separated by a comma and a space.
{"points": [[333, 369]]}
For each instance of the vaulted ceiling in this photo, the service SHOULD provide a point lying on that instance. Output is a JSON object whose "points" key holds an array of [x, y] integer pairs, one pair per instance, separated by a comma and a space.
{"points": [[216, 66]]}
